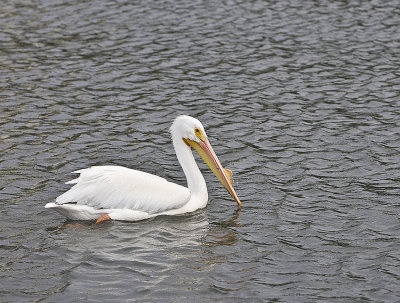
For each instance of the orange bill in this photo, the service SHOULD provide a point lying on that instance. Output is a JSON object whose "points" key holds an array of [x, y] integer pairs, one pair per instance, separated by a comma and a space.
{"points": [[224, 176]]}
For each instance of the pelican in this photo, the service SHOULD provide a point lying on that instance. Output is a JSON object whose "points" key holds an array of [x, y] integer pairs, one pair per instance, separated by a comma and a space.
{"points": [[118, 193]]}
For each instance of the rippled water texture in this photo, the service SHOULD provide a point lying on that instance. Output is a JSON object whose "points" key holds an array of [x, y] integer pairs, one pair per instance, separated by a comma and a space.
{"points": [[300, 99]]}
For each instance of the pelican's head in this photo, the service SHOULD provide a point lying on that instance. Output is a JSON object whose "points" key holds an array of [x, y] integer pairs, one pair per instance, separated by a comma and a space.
{"points": [[192, 132], [187, 127]]}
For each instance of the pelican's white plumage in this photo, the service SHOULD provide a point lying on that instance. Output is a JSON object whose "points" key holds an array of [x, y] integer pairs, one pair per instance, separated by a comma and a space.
{"points": [[128, 194]]}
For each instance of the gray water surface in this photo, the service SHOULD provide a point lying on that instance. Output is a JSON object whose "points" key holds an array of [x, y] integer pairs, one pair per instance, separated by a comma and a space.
{"points": [[300, 99]]}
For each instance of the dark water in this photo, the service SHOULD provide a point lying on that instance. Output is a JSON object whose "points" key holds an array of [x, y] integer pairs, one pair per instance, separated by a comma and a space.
{"points": [[301, 99]]}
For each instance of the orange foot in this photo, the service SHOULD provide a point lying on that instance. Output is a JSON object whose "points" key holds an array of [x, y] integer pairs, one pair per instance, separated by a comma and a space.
{"points": [[104, 217]]}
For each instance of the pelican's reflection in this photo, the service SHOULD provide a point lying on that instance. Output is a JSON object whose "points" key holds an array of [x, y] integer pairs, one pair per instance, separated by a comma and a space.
{"points": [[221, 233], [233, 222], [188, 248], [169, 234]]}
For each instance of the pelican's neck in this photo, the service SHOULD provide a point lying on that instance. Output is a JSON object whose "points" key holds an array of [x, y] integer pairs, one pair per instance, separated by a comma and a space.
{"points": [[194, 177]]}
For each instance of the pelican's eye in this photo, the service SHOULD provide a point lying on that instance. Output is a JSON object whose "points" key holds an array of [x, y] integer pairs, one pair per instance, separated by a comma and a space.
{"points": [[199, 133]]}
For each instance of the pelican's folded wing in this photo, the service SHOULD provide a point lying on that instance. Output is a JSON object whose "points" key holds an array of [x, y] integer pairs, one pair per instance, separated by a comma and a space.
{"points": [[116, 187]]}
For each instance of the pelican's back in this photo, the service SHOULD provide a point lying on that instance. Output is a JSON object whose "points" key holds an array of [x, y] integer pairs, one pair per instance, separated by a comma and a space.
{"points": [[116, 187]]}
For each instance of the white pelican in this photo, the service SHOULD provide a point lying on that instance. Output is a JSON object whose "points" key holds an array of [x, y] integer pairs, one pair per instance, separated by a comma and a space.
{"points": [[119, 193]]}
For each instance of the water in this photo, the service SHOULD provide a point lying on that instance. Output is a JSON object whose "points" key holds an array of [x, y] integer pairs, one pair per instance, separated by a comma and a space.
{"points": [[300, 100]]}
